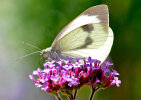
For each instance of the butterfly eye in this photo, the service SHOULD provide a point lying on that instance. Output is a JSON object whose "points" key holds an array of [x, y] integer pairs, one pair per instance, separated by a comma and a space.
{"points": [[45, 54], [43, 51]]}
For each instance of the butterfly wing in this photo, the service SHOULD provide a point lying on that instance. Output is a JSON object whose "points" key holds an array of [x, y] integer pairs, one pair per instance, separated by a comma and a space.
{"points": [[87, 35], [97, 50]]}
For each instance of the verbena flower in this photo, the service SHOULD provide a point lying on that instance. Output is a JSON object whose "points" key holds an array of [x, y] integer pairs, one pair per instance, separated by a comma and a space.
{"points": [[72, 74]]}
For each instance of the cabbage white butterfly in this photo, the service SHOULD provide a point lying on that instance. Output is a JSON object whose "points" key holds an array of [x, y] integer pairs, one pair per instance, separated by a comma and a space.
{"points": [[87, 35]]}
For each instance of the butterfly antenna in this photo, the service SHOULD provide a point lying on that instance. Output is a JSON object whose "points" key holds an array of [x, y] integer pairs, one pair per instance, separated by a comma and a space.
{"points": [[31, 45], [27, 55]]}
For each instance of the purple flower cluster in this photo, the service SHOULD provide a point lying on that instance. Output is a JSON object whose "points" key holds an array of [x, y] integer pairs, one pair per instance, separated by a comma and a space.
{"points": [[73, 73]]}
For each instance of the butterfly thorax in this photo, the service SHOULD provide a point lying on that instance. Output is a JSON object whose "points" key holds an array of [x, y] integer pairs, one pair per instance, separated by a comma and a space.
{"points": [[52, 54]]}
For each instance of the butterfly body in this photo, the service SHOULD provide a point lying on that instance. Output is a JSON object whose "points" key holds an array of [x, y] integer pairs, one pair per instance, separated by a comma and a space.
{"points": [[87, 35]]}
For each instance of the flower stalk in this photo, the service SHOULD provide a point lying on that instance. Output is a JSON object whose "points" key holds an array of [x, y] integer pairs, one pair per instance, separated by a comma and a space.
{"points": [[93, 92], [58, 96], [75, 94]]}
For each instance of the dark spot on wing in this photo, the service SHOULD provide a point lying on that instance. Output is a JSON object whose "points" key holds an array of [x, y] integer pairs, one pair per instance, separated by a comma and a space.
{"points": [[88, 41], [88, 28]]}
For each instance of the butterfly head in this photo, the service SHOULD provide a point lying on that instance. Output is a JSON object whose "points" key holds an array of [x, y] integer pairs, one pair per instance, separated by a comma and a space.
{"points": [[46, 52]]}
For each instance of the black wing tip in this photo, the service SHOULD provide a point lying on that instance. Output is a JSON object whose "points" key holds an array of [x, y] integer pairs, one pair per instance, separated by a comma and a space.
{"points": [[101, 6]]}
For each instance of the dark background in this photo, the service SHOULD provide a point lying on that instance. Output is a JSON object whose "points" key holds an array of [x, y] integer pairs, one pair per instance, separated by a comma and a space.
{"points": [[39, 21]]}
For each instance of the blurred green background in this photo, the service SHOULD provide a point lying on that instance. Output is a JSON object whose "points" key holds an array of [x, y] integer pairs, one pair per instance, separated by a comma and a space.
{"points": [[39, 21]]}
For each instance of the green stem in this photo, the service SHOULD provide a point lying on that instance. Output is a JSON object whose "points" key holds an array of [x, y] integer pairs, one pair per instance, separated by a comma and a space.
{"points": [[93, 92], [70, 95], [58, 96], [75, 94]]}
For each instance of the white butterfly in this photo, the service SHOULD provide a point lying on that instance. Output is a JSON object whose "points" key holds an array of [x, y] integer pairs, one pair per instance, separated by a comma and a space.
{"points": [[87, 35]]}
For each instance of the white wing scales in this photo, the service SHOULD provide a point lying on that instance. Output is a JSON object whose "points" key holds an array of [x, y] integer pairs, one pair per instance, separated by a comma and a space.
{"points": [[80, 39], [96, 14], [88, 35], [100, 53]]}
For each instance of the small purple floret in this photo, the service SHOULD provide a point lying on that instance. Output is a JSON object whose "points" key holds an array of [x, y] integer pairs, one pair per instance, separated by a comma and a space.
{"points": [[116, 81]]}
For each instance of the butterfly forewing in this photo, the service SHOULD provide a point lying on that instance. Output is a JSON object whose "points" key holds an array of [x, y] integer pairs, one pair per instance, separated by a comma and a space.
{"points": [[96, 14], [91, 36], [87, 35]]}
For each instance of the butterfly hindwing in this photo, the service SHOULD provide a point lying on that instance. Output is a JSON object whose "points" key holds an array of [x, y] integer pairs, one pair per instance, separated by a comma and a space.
{"points": [[98, 51]]}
